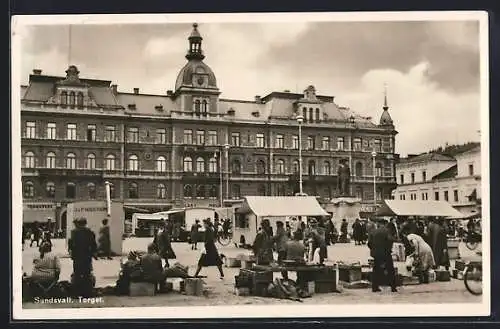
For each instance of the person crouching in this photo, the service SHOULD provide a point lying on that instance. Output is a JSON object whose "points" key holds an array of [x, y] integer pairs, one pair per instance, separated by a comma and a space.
{"points": [[152, 269]]}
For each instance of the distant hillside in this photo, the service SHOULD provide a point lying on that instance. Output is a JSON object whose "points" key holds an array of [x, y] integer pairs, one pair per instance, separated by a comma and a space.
{"points": [[452, 150]]}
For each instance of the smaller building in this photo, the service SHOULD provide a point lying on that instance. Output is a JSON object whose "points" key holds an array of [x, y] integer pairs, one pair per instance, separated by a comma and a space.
{"points": [[432, 176]]}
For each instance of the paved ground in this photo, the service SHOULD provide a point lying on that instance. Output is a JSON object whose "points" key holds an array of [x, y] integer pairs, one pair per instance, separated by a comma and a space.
{"points": [[221, 292]]}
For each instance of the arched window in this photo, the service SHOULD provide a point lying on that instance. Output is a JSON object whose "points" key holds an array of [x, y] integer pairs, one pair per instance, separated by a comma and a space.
{"points": [[70, 190], [79, 99], [317, 115], [51, 160], [236, 191], [327, 168], [161, 164], [200, 165], [236, 166], [311, 168], [110, 162], [295, 166], [197, 106], [261, 167], [50, 188], [304, 114], [200, 191], [213, 192], [188, 164], [212, 165], [311, 114], [133, 162], [280, 167], [29, 189], [72, 98], [92, 190], [71, 161], [188, 191], [161, 191], [133, 191], [29, 159], [378, 169], [359, 169], [64, 98], [261, 190], [91, 161], [204, 106]]}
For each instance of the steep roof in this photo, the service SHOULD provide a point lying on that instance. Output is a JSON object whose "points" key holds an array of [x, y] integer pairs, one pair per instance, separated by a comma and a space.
{"points": [[146, 104], [427, 157], [448, 173]]}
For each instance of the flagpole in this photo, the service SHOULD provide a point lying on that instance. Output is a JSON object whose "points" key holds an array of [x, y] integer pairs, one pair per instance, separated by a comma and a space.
{"points": [[221, 180], [69, 45]]}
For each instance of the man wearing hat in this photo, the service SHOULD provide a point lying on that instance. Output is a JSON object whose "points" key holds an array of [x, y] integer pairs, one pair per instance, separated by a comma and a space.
{"points": [[380, 243], [82, 248]]}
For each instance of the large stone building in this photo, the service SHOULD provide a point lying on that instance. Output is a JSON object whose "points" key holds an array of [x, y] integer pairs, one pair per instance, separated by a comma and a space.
{"points": [[433, 176], [189, 146]]}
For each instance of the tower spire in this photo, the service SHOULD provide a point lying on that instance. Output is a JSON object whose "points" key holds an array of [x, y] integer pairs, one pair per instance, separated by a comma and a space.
{"points": [[195, 51], [386, 107]]}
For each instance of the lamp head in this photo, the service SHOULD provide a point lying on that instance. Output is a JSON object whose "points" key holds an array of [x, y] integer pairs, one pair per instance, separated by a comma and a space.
{"points": [[300, 119], [374, 154]]}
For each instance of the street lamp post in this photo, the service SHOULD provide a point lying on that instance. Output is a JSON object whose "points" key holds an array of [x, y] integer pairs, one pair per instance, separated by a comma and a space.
{"points": [[226, 148], [374, 154], [300, 119]]}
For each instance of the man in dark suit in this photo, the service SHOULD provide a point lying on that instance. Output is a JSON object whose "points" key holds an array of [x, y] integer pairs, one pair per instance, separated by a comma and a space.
{"points": [[380, 243]]}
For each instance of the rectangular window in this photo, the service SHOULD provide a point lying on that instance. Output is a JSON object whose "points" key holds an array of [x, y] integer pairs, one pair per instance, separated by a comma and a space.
{"points": [[280, 141], [377, 145], [340, 143], [51, 130], [412, 175], [325, 143], [260, 140], [445, 195], [310, 142], [471, 170], [295, 142], [455, 195], [133, 135], [200, 137], [161, 136], [235, 139], [357, 144], [91, 133], [71, 131], [424, 176], [30, 129], [110, 134], [188, 136], [402, 178], [436, 196], [212, 137]]}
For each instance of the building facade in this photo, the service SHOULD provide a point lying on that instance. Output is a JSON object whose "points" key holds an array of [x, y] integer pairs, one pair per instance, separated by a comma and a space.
{"points": [[189, 147], [431, 176]]}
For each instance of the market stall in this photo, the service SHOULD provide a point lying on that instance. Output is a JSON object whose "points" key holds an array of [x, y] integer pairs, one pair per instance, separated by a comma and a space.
{"points": [[417, 209]]}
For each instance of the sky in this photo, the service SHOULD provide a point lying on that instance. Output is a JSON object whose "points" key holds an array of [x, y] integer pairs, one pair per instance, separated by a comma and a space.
{"points": [[430, 68]]}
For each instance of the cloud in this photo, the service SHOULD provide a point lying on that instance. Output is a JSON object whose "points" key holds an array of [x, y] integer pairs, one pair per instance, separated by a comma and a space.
{"points": [[425, 115]]}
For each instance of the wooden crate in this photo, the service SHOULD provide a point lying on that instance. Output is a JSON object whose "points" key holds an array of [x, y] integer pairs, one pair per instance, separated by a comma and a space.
{"points": [[328, 273], [460, 265], [142, 289], [247, 264], [257, 280], [350, 273], [193, 286], [321, 287], [442, 275], [232, 262]]}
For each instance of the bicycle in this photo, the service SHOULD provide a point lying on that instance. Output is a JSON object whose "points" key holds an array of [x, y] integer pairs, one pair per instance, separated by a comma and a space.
{"points": [[473, 277], [472, 240], [224, 238]]}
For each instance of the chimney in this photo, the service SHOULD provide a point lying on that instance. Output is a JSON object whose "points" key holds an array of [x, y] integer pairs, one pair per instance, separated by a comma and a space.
{"points": [[258, 99], [114, 88], [131, 106], [286, 91], [159, 108], [37, 71], [136, 91], [170, 92]]}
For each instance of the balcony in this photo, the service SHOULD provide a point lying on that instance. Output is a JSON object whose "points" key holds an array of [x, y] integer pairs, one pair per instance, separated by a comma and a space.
{"points": [[64, 172], [29, 172], [197, 149], [205, 177], [369, 179]]}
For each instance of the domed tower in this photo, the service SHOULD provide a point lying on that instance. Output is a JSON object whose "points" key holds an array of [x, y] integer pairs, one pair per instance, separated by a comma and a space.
{"points": [[196, 82], [385, 118]]}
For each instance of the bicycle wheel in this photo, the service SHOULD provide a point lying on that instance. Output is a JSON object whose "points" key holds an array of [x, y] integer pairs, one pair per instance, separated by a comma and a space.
{"points": [[224, 240], [471, 245], [473, 280]]}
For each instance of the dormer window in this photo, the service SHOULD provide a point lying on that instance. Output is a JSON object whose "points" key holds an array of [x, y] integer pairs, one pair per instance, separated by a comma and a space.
{"points": [[131, 107], [79, 100], [204, 107], [197, 106], [304, 114], [72, 99], [64, 98], [159, 108], [311, 115], [317, 115], [256, 114]]}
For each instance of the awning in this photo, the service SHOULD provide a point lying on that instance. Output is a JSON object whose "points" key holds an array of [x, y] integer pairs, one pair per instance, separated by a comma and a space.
{"points": [[417, 208], [170, 212], [282, 206]]}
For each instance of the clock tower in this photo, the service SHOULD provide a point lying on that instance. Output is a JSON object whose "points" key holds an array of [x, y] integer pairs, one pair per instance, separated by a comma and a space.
{"points": [[196, 84]]}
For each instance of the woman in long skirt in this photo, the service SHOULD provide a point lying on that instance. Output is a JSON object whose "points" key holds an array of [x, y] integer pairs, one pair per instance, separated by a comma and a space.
{"points": [[210, 256]]}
